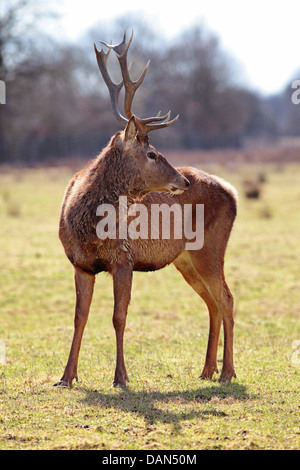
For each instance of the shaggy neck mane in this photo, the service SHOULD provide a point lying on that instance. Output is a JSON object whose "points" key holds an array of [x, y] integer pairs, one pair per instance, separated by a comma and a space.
{"points": [[111, 175], [105, 179]]}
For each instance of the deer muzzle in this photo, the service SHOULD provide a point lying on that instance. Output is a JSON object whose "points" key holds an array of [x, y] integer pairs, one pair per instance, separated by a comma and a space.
{"points": [[180, 185]]}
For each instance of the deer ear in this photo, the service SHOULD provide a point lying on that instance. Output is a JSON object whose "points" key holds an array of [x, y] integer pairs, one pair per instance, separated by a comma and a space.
{"points": [[130, 130]]}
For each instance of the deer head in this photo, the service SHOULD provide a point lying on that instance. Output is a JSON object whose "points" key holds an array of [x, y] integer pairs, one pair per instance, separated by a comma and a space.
{"points": [[157, 174]]}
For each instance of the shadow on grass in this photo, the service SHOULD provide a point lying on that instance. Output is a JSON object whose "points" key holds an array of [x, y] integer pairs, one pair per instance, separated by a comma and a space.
{"points": [[169, 407]]}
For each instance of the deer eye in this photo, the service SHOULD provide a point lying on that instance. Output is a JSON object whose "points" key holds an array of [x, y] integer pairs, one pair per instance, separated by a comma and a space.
{"points": [[151, 155]]}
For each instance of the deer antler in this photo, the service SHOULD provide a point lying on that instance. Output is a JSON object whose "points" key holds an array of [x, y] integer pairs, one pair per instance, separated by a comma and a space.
{"points": [[144, 125]]}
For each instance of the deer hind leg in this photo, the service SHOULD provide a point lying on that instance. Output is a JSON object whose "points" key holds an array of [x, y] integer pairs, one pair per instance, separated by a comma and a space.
{"points": [[122, 278], [184, 265], [84, 284], [210, 269]]}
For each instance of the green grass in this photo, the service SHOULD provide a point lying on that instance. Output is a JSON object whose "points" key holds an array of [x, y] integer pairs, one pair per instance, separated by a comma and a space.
{"points": [[166, 405]]}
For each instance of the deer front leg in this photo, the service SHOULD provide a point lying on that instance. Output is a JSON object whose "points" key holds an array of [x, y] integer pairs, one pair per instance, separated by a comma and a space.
{"points": [[122, 278], [84, 284]]}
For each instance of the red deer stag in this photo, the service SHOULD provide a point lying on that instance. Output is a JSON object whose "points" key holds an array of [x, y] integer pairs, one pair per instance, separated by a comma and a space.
{"points": [[129, 166]]}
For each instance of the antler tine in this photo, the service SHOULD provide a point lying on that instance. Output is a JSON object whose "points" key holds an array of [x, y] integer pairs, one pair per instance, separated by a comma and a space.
{"points": [[130, 86], [146, 125], [113, 88], [157, 118], [121, 47]]}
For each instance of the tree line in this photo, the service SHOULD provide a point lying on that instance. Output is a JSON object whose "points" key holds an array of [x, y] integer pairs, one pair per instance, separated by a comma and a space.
{"points": [[57, 104]]}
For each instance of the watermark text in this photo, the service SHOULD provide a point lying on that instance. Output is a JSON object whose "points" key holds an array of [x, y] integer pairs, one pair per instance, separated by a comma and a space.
{"points": [[2, 92], [156, 221], [296, 94]]}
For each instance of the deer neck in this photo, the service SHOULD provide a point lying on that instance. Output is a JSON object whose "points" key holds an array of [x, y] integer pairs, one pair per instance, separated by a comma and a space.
{"points": [[113, 176]]}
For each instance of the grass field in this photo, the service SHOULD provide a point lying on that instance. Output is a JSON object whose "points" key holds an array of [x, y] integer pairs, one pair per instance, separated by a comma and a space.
{"points": [[166, 405]]}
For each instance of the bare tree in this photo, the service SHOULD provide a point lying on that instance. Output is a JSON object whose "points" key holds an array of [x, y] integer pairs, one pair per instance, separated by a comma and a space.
{"points": [[56, 106], [23, 56]]}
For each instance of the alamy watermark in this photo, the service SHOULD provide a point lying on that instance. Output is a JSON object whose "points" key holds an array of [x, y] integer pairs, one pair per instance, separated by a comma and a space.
{"points": [[2, 92], [156, 221], [296, 94]]}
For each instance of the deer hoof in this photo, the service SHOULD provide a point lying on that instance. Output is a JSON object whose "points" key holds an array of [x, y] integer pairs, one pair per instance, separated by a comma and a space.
{"points": [[208, 372], [63, 383], [226, 377], [119, 385]]}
